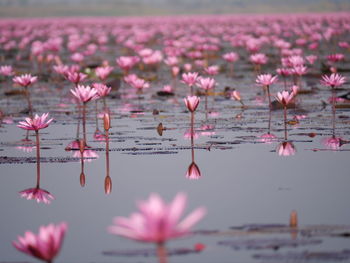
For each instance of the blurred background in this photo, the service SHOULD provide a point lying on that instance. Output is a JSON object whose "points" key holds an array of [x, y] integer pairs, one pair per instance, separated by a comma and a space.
{"points": [[47, 8]]}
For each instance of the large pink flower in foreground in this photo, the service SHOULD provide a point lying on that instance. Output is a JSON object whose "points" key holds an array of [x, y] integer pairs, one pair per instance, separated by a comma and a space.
{"points": [[84, 93], [334, 80], [157, 221], [25, 80], [36, 123], [38, 194], [45, 245], [192, 102]]}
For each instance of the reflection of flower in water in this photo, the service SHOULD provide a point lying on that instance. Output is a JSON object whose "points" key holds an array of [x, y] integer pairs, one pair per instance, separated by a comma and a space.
{"points": [[99, 136], [333, 142], [40, 195], [193, 171], [267, 138], [88, 153], [188, 134], [208, 130], [286, 149], [214, 114], [26, 146]]}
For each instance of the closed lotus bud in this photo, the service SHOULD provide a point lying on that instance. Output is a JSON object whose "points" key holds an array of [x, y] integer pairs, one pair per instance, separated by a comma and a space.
{"points": [[81, 146], [82, 179], [106, 121], [108, 185], [293, 220]]}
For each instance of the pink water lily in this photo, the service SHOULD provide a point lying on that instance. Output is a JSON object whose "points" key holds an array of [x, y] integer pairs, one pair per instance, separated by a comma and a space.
{"points": [[84, 93], [157, 221], [6, 71], [75, 77], [206, 83], [191, 102], [25, 80], [45, 245], [190, 78], [285, 97], [103, 72], [102, 90], [334, 80], [36, 123], [265, 79]]}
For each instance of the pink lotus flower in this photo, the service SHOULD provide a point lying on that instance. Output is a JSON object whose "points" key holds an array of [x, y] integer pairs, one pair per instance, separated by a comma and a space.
{"points": [[212, 70], [84, 93], [265, 79], [311, 59], [130, 78], [127, 63], [286, 149], [45, 245], [167, 88], [190, 78], [193, 171], [284, 97], [103, 72], [36, 123], [258, 59], [157, 221], [187, 67], [335, 57], [77, 57], [206, 83], [102, 90], [192, 103], [285, 72], [6, 71], [76, 77], [299, 70], [171, 61], [175, 71], [38, 194], [334, 80], [139, 84], [230, 57], [25, 80]]}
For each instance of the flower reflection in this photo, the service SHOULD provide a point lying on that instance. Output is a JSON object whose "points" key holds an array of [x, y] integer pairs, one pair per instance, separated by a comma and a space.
{"points": [[40, 195], [193, 171], [26, 146], [268, 138], [107, 126], [333, 143], [286, 149]]}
